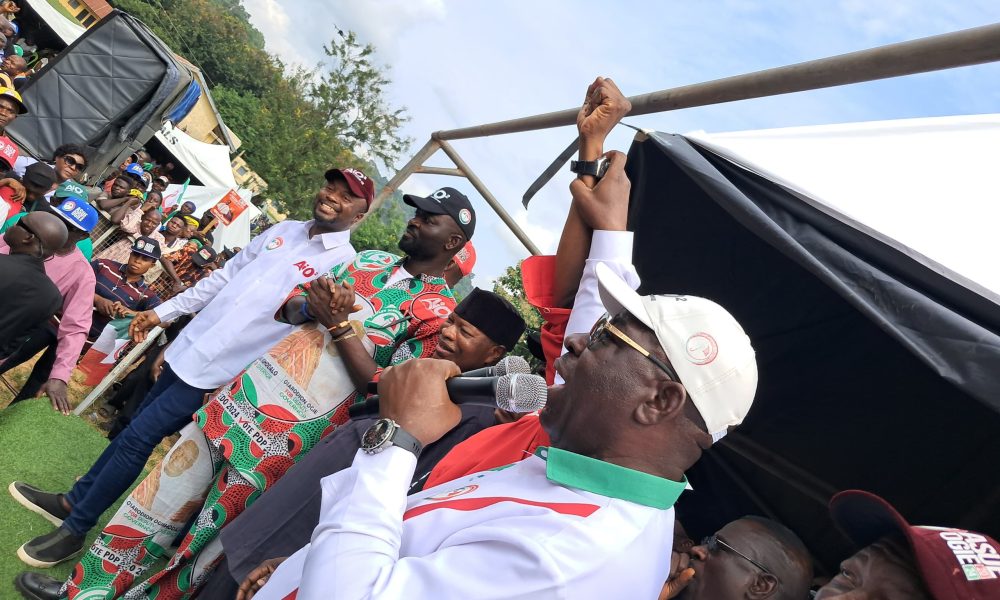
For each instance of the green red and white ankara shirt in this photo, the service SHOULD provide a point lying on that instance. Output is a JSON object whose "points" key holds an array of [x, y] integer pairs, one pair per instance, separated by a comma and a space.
{"points": [[555, 525]]}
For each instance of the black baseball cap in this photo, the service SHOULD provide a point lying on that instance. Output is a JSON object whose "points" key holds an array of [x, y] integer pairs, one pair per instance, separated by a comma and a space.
{"points": [[447, 201], [146, 247], [204, 256], [40, 175]]}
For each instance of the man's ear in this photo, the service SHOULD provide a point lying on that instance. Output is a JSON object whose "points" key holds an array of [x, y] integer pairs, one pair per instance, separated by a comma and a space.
{"points": [[495, 354], [455, 240], [665, 402], [764, 586], [358, 217]]}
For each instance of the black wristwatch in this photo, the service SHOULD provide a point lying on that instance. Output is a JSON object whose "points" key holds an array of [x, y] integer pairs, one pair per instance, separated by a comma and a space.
{"points": [[386, 432], [596, 168]]}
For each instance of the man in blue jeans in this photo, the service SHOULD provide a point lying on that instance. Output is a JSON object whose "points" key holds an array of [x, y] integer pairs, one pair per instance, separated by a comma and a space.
{"points": [[235, 323]]}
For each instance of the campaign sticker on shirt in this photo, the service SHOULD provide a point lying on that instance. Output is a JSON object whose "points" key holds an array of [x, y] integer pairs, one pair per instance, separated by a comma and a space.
{"points": [[430, 306], [275, 243], [454, 493]]}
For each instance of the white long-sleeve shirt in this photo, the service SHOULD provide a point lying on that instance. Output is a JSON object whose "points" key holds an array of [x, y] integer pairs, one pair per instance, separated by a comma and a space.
{"points": [[236, 305], [555, 525]]}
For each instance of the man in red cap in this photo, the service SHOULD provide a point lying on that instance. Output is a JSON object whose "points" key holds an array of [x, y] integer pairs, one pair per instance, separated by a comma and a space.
{"points": [[461, 265], [235, 323], [899, 561]]}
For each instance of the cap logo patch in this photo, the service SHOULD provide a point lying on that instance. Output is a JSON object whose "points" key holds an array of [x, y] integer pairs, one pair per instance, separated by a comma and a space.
{"points": [[8, 151], [357, 175], [204, 254], [701, 348], [464, 216], [79, 214], [463, 254], [69, 205], [977, 556], [440, 195]]}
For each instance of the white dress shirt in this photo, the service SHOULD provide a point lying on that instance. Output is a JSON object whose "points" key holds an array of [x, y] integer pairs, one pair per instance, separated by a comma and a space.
{"points": [[236, 305], [555, 525]]}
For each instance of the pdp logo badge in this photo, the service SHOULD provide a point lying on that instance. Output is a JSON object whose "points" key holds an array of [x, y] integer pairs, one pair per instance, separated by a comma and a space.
{"points": [[68, 206], [464, 216], [701, 348], [275, 243], [454, 493]]}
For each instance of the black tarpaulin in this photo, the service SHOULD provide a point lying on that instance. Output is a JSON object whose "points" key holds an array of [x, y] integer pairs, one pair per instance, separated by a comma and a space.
{"points": [[878, 369]]}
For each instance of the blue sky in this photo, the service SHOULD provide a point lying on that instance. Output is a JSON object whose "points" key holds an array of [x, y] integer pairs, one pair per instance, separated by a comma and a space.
{"points": [[460, 63]]}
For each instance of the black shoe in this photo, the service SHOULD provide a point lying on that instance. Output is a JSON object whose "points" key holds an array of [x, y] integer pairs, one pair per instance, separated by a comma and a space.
{"points": [[36, 586], [47, 504], [50, 549]]}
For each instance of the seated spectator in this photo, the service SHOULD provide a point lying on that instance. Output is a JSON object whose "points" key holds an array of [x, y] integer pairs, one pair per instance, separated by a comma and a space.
{"points": [[160, 183], [752, 557], [120, 198], [899, 561], [13, 72], [173, 233], [63, 343], [136, 224], [121, 289], [68, 160], [11, 105], [27, 296]]}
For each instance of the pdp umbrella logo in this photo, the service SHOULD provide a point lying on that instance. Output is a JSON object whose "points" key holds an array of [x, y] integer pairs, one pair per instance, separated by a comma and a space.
{"points": [[464, 216], [275, 243], [701, 348], [454, 493]]}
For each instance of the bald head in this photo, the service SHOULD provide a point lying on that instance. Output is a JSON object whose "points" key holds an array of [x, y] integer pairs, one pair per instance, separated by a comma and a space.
{"points": [[38, 234]]}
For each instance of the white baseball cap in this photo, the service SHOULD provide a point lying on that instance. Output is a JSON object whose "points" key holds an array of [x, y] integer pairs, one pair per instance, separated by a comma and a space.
{"points": [[705, 344]]}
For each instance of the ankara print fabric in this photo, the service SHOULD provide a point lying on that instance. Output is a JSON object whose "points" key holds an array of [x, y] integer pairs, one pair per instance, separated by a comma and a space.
{"points": [[253, 429]]}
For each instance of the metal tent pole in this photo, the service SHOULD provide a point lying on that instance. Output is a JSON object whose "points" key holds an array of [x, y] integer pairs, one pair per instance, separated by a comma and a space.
{"points": [[958, 49]]}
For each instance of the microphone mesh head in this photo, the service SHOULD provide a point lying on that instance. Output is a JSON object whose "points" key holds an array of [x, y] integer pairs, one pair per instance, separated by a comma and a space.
{"points": [[521, 393], [510, 365]]}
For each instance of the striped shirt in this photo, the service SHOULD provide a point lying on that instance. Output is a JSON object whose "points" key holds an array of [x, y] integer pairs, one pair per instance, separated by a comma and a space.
{"points": [[112, 284]]}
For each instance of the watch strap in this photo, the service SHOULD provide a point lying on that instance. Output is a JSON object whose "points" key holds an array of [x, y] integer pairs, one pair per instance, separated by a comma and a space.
{"points": [[403, 439], [595, 168]]}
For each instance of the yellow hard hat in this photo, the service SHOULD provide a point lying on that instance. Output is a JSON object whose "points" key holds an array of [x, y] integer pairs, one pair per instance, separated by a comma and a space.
{"points": [[13, 95]]}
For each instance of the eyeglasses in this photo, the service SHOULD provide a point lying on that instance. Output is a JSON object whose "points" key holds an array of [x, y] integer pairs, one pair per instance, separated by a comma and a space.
{"points": [[604, 326], [714, 542], [73, 164], [20, 223]]}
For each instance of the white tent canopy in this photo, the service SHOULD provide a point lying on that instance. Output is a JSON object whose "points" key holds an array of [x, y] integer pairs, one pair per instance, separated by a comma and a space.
{"points": [[236, 234], [930, 184], [67, 30], [209, 163]]}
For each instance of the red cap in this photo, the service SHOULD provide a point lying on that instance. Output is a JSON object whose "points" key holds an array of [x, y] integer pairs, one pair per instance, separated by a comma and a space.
{"points": [[465, 258], [8, 151], [361, 185], [954, 563]]}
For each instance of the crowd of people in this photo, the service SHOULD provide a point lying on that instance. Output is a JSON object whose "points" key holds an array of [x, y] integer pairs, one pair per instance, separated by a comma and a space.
{"points": [[277, 488]]}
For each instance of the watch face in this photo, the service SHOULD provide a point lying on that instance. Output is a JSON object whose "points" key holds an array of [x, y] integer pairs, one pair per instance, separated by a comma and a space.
{"points": [[377, 435]]}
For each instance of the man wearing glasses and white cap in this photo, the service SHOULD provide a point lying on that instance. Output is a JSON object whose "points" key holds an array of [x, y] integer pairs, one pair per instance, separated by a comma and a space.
{"points": [[591, 516]]}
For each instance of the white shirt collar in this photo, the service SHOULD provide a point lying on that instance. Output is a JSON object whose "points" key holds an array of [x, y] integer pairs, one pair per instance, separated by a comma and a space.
{"points": [[331, 239]]}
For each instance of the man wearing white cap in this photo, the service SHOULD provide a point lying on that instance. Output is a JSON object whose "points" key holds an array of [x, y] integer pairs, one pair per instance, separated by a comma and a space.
{"points": [[589, 517]]}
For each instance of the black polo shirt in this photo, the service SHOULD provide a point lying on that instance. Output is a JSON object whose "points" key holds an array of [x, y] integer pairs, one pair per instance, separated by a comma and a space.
{"points": [[27, 297]]}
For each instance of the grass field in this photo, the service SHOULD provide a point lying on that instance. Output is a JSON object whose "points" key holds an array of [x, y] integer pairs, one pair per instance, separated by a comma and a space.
{"points": [[49, 450]]}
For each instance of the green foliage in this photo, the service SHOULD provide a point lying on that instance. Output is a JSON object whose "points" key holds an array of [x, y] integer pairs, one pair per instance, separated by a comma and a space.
{"points": [[381, 231], [510, 286], [295, 123]]}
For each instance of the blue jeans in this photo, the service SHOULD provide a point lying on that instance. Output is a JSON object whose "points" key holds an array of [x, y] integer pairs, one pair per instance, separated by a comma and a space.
{"points": [[166, 409]]}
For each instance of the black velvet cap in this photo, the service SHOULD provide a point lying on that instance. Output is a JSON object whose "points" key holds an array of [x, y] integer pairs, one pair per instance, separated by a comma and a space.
{"points": [[493, 315]]}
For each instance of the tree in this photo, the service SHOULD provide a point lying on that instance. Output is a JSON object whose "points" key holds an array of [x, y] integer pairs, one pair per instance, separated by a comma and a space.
{"points": [[510, 286], [381, 231], [351, 96]]}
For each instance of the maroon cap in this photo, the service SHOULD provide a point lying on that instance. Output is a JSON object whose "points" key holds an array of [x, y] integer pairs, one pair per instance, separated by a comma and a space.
{"points": [[954, 563], [361, 185]]}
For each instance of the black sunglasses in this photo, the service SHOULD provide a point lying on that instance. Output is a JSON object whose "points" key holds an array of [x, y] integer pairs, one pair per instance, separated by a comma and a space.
{"points": [[20, 223], [714, 542], [72, 162]]}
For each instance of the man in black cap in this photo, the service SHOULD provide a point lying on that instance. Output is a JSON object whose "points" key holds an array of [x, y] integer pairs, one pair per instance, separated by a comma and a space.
{"points": [[481, 330], [121, 288], [446, 201], [39, 179]]}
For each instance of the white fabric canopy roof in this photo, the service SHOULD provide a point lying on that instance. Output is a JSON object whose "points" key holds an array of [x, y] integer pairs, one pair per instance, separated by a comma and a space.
{"points": [[236, 234], [67, 30], [209, 163], [930, 184]]}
